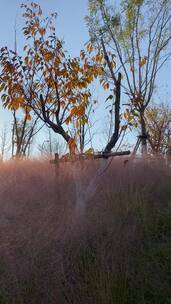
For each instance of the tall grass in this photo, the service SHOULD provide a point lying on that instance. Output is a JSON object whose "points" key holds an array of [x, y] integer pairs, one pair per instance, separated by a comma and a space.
{"points": [[117, 251]]}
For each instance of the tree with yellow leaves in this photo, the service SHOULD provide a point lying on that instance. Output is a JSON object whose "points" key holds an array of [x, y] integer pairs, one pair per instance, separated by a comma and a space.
{"points": [[45, 81]]}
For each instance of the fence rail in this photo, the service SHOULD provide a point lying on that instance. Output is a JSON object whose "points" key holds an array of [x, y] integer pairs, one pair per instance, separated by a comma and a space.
{"points": [[82, 157]]}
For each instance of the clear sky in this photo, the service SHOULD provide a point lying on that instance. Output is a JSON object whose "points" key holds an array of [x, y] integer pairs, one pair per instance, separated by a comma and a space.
{"points": [[70, 22], [71, 27]]}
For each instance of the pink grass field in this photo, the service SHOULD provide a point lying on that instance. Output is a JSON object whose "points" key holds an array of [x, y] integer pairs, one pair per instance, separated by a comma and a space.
{"points": [[43, 235]]}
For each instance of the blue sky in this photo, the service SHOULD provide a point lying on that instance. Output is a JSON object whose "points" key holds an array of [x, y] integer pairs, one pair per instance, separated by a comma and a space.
{"points": [[70, 23], [72, 28]]}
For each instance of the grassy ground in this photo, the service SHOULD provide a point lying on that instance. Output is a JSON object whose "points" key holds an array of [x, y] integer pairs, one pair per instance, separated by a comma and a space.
{"points": [[118, 251]]}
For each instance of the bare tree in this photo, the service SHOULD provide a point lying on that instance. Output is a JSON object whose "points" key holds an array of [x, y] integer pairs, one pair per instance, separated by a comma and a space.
{"points": [[51, 146], [23, 133], [4, 142], [116, 81], [138, 35], [158, 121]]}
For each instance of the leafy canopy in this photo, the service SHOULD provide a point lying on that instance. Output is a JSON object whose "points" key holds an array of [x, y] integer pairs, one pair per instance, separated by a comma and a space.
{"points": [[44, 80]]}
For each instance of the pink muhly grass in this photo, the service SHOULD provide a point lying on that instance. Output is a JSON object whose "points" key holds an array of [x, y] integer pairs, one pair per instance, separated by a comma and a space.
{"points": [[48, 250]]}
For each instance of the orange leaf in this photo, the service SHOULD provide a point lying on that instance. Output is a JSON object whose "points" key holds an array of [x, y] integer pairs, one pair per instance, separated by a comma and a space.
{"points": [[28, 117], [42, 31], [48, 56], [106, 86]]}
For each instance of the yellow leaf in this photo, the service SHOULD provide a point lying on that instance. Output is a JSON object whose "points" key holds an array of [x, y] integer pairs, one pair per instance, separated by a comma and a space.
{"points": [[84, 120], [28, 109], [30, 62], [48, 56], [77, 124], [89, 47], [57, 61], [143, 61], [26, 60], [99, 70], [89, 151], [72, 145], [113, 64], [20, 99], [67, 121], [62, 104], [73, 111], [42, 31], [98, 57], [89, 79], [81, 110], [28, 117], [13, 106], [16, 103], [106, 86], [2, 87]]}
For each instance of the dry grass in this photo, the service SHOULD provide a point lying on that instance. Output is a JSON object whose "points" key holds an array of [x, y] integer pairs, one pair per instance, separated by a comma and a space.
{"points": [[116, 250]]}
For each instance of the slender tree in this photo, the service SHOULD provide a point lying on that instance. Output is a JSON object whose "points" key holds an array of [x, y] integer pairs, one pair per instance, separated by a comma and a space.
{"points": [[23, 132], [51, 145], [4, 142], [158, 121], [106, 62], [137, 33]]}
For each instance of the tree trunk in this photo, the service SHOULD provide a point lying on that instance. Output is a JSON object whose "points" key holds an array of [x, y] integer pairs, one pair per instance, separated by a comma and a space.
{"points": [[82, 138], [115, 135], [143, 133]]}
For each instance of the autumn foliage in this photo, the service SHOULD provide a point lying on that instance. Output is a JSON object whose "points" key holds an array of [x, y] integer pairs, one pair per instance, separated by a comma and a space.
{"points": [[44, 80]]}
